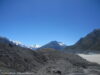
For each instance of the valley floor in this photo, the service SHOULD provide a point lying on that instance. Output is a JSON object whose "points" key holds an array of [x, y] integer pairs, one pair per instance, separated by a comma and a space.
{"points": [[91, 57]]}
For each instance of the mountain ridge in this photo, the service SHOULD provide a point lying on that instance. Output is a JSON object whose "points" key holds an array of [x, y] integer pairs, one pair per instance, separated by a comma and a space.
{"points": [[90, 42], [55, 45]]}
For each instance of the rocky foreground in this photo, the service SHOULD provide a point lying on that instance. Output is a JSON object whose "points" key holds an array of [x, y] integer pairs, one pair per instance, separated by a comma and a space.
{"points": [[15, 60]]}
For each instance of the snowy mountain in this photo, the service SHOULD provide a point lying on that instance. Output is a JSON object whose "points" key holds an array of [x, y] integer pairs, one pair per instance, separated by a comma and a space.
{"points": [[34, 47], [18, 43], [55, 45], [4, 40]]}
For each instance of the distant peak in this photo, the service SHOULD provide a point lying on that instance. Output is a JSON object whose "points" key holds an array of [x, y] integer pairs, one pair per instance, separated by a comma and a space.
{"points": [[54, 45], [54, 42], [17, 42], [35, 46], [61, 44]]}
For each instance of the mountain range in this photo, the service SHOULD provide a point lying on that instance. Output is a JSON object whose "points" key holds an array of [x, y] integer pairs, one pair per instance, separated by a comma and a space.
{"points": [[53, 44], [90, 42]]}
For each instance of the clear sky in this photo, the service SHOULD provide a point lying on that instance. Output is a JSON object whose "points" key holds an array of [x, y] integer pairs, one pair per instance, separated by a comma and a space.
{"points": [[41, 21]]}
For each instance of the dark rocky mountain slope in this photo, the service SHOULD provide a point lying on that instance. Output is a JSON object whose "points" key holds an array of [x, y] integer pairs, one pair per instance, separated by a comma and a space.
{"points": [[20, 59], [89, 42]]}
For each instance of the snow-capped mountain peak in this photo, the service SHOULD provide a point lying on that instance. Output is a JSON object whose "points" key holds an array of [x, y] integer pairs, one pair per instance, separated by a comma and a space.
{"points": [[16, 42], [35, 46], [61, 44], [55, 45]]}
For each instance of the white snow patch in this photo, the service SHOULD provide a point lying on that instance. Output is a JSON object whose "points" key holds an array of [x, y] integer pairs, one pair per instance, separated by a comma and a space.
{"points": [[17, 42], [61, 44], [91, 57], [35, 46]]}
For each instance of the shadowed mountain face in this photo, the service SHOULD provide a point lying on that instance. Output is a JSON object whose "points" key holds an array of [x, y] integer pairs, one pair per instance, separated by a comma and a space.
{"points": [[4, 40], [54, 45], [90, 42], [48, 61]]}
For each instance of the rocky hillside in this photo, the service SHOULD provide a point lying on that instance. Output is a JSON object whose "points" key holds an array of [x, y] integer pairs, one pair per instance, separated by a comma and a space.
{"points": [[19, 59], [15, 59], [89, 42], [60, 63]]}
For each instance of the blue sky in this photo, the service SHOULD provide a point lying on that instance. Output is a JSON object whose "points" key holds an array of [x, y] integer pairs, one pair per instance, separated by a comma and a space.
{"points": [[41, 21]]}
